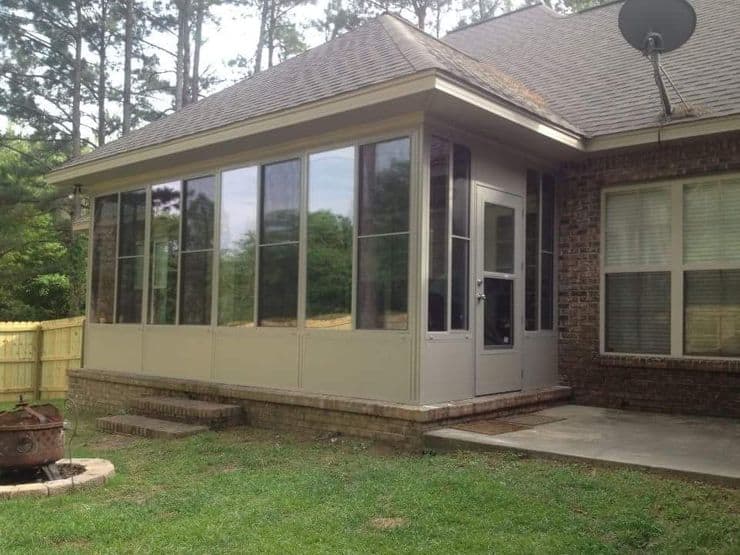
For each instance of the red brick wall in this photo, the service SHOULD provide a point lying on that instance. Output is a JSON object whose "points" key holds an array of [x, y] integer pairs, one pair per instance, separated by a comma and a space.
{"points": [[710, 387]]}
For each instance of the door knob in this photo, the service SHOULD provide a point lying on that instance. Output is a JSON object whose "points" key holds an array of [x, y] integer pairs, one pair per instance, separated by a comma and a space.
{"points": [[481, 296]]}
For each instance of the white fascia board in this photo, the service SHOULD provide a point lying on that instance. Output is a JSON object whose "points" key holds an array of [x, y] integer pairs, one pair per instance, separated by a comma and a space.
{"points": [[519, 117]]}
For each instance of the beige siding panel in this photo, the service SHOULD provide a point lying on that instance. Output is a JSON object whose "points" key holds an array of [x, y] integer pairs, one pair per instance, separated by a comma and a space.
{"points": [[177, 352], [448, 370], [256, 357], [113, 347], [365, 364], [540, 361]]}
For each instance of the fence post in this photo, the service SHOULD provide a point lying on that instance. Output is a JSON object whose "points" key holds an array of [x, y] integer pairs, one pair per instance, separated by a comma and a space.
{"points": [[39, 362]]}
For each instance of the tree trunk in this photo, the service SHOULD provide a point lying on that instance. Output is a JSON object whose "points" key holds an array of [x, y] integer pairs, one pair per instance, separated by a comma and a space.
{"points": [[264, 9], [180, 61], [271, 34], [127, 54], [195, 80], [77, 82], [102, 74], [186, 56]]}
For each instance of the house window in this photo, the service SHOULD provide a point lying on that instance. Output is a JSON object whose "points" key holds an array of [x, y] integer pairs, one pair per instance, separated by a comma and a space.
{"points": [[672, 262], [638, 285], [711, 258], [280, 196], [539, 252], [103, 271], [238, 247], [165, 245], [331, 192], [132, 219], [383, 235], [449, 236], [196, 256]]}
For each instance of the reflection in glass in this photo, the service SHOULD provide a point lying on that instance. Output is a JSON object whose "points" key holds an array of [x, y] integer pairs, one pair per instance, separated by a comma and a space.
{"points": [[547, 292], [460, 283], [498, 318], [281, 195], [238, 247], [532, 251], [712, 313], [461, 191], [165, 233], [638, 313], [195, 284], [384, 187], [105, 220], [383, 282], [198, 213], [439, 180], [197, 250], [278, 293], [330, 228], [131, 257], [499, 239]]}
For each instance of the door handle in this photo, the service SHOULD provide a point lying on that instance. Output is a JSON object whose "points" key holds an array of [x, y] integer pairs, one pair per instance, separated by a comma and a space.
{"points": [[481, 296]]}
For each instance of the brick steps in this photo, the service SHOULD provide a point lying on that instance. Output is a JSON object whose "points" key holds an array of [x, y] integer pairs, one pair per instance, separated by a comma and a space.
{"points": [[212, 415], [137, 425]]}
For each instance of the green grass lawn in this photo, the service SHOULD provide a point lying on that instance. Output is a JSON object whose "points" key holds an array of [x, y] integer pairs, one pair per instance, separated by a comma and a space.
{"points": [[262, 492]]}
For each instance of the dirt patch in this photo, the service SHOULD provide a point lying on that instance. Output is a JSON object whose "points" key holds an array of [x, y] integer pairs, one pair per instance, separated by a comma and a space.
{"points": [[112, 442], [387, 523], [37, 476]]}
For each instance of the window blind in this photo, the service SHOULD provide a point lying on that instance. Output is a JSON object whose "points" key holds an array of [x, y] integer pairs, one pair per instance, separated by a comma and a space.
{"points": [[638, 227], [711, 227]]}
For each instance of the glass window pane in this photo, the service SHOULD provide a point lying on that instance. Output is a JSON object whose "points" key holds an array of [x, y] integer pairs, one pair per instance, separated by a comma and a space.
{"points": [[499, 239], [165, 233], [330, 228], [195, 287], [238, 247], [281, 197], [382, 288], [105, 222], [130, 286], [638, 227], [638, 313], [278, 292], [460, 284], [198, 213], [712, 313], [711, 225], [532, 251], [548, 212], [133, 216], [461, 191], [384, 187], [438, 233], [498, 316], [547, 295]]}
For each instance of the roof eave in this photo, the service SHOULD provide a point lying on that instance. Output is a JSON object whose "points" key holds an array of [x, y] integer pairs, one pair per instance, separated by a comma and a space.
{"points": [[668, 132]]}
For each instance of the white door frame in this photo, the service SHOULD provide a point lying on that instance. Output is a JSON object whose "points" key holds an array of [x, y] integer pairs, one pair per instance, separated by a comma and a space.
{"points": [[498, 369]]}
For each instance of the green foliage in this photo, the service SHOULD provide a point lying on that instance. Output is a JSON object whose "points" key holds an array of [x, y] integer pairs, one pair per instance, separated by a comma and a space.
{"points": [[42, 264]]}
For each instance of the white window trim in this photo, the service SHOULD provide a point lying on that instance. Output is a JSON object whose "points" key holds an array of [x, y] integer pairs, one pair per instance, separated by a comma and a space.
{"points": [[675, 266]]}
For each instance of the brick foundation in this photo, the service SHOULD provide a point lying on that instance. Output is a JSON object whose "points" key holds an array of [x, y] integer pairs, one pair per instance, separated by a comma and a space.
{"points": [[103, 392], [709, 387]]}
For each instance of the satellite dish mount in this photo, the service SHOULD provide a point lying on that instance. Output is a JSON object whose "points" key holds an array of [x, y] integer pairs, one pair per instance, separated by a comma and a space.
{"points": [[655, 27]]}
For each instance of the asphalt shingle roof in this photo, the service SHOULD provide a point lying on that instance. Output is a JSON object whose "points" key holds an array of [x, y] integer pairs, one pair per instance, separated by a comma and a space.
{"points": [[587, 73], [381, 50]]}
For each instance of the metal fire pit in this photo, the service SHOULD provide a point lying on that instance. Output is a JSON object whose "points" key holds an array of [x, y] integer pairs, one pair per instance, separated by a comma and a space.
{"points": [[30, 437]]}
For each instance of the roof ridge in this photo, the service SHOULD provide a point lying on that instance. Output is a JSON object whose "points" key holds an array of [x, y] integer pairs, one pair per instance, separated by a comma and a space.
{"points": [[406, 27], [497, 17], [387, 31]]}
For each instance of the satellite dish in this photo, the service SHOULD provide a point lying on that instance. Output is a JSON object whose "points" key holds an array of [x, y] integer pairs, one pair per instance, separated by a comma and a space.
{"points": [[654, 27], [667, 23]]}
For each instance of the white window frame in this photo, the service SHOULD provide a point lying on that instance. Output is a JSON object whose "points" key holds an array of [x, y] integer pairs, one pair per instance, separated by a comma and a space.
{"points": [[675, 264]]}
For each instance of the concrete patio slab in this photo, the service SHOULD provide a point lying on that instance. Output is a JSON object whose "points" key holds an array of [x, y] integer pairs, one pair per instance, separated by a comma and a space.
{"points": [[694, 447]]}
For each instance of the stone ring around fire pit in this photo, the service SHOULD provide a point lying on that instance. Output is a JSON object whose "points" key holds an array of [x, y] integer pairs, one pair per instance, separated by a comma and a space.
{"points": [[94, 472]]}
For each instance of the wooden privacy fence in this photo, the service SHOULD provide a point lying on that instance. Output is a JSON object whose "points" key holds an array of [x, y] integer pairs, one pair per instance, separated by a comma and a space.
{"points": [[35, 356]]}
